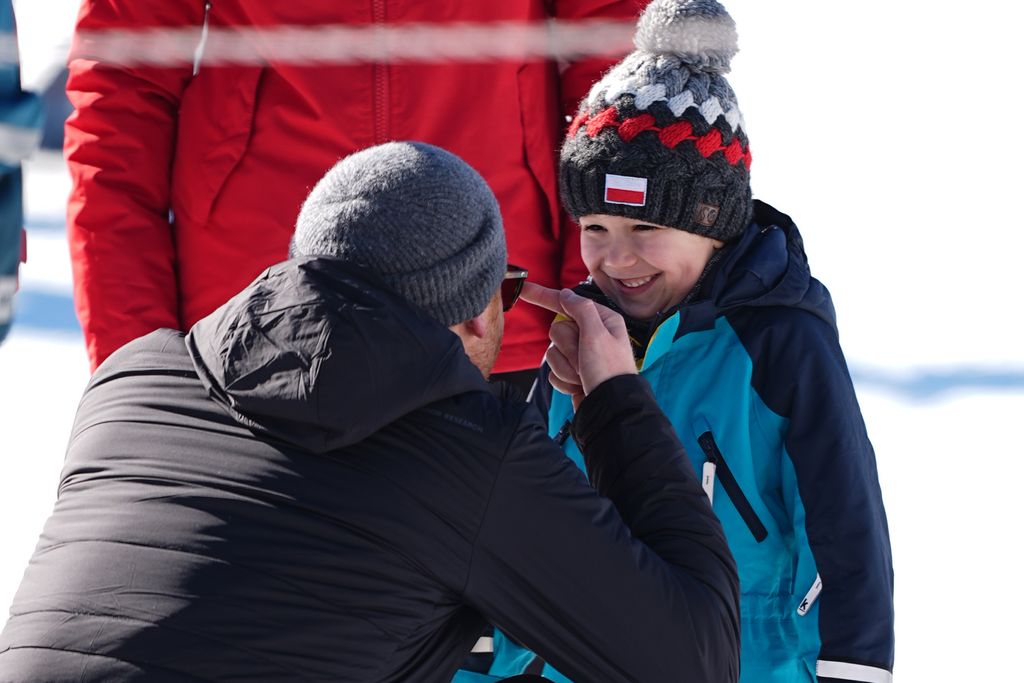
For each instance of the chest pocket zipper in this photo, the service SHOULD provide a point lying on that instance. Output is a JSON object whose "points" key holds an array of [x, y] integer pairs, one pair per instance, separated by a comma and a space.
{"points": [[729, 483], [563, 434]]}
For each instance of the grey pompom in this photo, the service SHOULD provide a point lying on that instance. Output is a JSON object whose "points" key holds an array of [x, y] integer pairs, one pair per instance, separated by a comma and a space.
{"points": [[700, 32]]}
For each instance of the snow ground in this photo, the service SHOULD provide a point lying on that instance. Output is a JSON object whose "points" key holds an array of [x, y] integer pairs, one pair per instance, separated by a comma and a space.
{"points": [[885, 136]]}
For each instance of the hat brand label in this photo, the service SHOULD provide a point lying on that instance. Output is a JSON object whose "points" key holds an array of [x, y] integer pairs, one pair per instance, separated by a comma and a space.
{"points": [[624, 189], [707, 214]]}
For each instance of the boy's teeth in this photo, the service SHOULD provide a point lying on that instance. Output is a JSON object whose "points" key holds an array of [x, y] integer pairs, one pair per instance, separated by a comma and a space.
{"points": [[637, 282]]}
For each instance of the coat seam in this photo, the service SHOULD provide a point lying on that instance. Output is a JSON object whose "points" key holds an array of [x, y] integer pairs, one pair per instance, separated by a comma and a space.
{"points": [[490, 499]]}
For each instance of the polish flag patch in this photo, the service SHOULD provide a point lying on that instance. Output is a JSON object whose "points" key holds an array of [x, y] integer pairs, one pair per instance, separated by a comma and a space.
{"points": [[624, 189]]}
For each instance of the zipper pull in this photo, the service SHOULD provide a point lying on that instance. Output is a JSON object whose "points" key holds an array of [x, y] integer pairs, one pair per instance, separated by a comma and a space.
{"points": [[708, 480], [563, 434], [812, 595]]}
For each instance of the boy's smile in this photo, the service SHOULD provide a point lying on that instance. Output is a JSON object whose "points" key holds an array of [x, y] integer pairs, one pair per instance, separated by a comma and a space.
{"points": [[644, 268]]}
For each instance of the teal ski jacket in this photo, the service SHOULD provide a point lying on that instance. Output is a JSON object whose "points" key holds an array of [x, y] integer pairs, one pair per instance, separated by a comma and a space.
{"points": [[755, 383]]}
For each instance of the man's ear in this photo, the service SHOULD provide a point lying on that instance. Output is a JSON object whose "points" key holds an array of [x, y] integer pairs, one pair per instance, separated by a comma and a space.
{"points": [[477, 326], [472, 328]]}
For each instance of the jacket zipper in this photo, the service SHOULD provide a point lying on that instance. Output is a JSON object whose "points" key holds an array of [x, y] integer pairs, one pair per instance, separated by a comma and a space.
{"points": [[731, 486], [380, 84], [563, 434]]}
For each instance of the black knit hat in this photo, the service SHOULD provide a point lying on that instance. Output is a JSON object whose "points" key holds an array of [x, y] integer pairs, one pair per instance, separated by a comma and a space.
{"points": [[660, 138]]}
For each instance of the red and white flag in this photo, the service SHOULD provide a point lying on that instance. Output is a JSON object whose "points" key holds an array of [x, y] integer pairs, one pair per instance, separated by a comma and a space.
{"points": [[624, 189]]}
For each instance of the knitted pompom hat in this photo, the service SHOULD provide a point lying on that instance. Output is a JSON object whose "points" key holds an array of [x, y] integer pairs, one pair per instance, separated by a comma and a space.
{"points": [[660, 138], [418, 217]]}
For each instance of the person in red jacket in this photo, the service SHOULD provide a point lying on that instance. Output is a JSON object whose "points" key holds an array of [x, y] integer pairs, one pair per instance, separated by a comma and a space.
{"points": [[186, 181]]}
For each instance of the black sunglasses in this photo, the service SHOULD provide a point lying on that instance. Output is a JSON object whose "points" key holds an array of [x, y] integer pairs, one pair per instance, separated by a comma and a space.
{"points": [[512, 286]]}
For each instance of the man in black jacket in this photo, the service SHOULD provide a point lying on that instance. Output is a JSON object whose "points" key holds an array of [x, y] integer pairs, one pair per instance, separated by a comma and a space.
{"points": [[317, 482]]}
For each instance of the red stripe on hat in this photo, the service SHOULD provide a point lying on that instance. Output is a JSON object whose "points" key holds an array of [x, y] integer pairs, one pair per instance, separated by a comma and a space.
{"points": [[678, 132], [670, 136], [734, 152], [709, 143], [630, 128], [616, 194], [609, 117], [577, 123]]}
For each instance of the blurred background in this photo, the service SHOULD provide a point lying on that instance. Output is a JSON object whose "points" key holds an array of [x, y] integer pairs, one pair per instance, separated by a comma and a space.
{"points": [[887, 131]]}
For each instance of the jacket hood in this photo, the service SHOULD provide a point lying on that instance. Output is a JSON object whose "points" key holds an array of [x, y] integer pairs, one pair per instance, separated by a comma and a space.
{"points": [[766, 267], [322, 355]]}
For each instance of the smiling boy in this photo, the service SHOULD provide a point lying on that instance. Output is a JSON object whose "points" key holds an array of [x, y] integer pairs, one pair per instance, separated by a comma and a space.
{"points": [[740, 344]]}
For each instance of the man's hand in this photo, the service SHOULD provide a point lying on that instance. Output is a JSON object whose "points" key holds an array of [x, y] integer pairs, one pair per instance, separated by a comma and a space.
{"points": [[589, 342]]}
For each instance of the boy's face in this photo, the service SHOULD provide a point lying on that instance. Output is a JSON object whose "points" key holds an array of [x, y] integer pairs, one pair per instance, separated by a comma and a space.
{"points": [[642, 267]]}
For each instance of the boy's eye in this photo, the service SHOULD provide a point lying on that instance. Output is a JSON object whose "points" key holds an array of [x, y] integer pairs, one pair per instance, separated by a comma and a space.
{"points": [[643, 227], [593, 227]]}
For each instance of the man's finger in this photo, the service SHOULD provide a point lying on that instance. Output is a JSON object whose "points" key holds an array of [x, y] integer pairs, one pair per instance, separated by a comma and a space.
{"points": [[584, 312], [603, 345], [568, 389], [561, 367], [564, 387], [594, 313], [538, 295], [565, 335], [613, 321]]}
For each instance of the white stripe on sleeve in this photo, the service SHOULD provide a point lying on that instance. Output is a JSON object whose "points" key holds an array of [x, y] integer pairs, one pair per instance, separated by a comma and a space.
{"points": [[853, 672], [483, 644]]}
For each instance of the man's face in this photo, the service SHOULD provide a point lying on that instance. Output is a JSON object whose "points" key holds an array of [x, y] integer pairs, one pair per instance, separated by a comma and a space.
{"points": [[483, 350]]}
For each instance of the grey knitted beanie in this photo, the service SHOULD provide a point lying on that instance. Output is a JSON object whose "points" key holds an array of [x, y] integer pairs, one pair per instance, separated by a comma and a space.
{"points": [[660, 138], [418, 217]]}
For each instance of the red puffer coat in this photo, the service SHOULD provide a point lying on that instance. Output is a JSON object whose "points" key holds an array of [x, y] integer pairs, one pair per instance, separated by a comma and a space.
{"points": [[230, 153]]}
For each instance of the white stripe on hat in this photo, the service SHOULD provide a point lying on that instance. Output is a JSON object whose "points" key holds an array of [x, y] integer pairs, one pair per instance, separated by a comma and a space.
{"points": [[624, 189]]}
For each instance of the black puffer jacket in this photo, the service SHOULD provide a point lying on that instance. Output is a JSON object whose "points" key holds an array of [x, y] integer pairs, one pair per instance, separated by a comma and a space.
{"points": [[352, 504]]}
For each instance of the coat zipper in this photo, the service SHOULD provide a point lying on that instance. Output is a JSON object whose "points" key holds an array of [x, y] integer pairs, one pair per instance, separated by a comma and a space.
{"points": [[563, 434], [380, 84], [731, 486]]}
